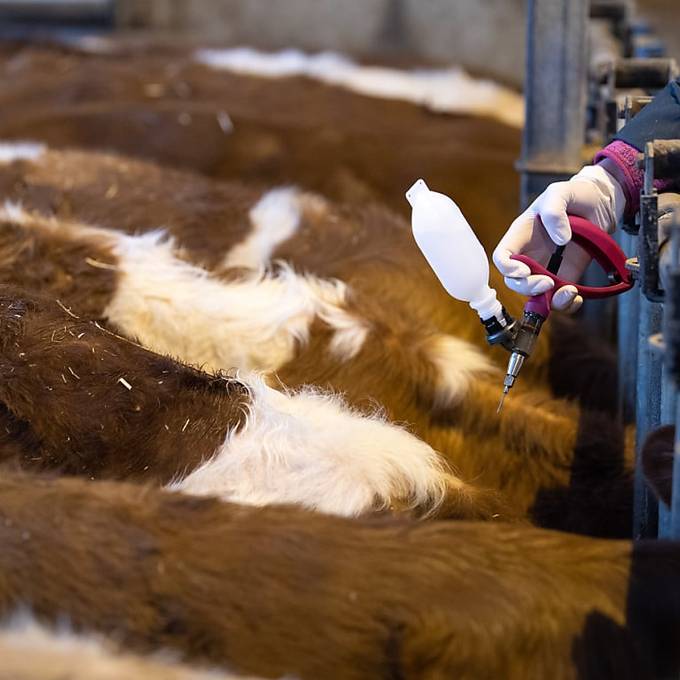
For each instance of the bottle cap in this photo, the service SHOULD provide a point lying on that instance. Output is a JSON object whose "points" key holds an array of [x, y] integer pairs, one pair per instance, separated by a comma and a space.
{"points": [[416, 189]]}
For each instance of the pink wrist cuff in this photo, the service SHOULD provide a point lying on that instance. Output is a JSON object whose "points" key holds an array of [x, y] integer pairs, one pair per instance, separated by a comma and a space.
{"points": [[626, 157]]}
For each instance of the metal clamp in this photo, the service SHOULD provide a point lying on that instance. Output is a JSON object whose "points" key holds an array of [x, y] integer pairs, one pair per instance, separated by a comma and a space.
{"points": [[648, 237], [666, 159]]}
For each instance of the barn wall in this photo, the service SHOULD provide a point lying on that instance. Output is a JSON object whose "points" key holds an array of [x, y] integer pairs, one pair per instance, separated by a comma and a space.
{"points": [[486, 36]]}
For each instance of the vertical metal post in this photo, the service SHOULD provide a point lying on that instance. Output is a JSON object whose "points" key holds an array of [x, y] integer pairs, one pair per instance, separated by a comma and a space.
{"points": [[675, 504], [648, 410], [648, 388], [555, 93], [672, 355], [669, 407], [669, 343], [627, 321], [628, 312]]}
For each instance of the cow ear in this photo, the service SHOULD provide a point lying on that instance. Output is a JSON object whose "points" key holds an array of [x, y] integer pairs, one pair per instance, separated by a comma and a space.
{"points": [[657, 461]]}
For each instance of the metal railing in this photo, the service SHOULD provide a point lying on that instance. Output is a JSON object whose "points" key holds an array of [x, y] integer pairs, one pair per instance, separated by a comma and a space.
{"points": [[559, 123]]}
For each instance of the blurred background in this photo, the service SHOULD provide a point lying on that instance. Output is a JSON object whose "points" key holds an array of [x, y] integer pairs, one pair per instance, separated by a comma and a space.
{"points": [[484, 36]]}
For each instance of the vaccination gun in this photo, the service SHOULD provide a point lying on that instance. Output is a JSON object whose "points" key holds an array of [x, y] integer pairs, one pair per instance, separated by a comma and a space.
{"points": [[460, 263]]}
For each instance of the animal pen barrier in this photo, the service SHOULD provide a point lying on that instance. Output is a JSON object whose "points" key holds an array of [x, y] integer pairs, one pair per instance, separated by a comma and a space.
{"points": [[645, 322]]}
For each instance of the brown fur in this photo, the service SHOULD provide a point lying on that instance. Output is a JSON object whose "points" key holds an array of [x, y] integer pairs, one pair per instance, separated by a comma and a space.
{"points": [[58, 264], [368, 247], [554, 462], [65, 406], [344, 145], [125, 194], [31, 652], [536, 437], [61, 381], [276, 591], [283, 129]]}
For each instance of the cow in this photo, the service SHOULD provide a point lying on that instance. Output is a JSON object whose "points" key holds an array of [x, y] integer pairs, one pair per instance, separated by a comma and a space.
{"points": [[167, 107], [31, 651], [80, 400], [278, 590], [59, 385]]}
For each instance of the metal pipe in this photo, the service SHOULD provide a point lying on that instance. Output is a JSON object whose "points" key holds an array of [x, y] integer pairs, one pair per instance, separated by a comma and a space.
{"points": [[672, 363], [649, 362], [555, 93], [648, 413], [627, 321], [669, 405]]}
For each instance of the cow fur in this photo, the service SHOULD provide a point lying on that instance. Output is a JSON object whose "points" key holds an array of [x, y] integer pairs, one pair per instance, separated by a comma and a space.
{"points": [[347, 338], [83, 401], [368, 248], [275, 590], [167, 108], [30, 651]]}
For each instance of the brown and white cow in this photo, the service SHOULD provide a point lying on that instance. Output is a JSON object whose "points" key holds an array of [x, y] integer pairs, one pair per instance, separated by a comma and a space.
{"points": [[171, 109], [80, 400], [278, 591], [30, 651], [106, 408], [222, 225]]}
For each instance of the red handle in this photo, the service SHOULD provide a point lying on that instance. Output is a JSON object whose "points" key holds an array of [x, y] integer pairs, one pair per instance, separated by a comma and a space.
{"points": [[602, 248]]}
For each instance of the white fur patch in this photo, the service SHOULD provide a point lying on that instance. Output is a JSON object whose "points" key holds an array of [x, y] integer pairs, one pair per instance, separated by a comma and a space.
{"points": [[449, 90], [30, 651], [255, 322], [306, 447], [311, 449], [20, 151], [457, 363], [91, 44], [176, 308], [274, 218]]}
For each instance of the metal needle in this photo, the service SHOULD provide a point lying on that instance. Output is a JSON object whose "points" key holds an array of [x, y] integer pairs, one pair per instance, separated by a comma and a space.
{"points": [[500, 403]]}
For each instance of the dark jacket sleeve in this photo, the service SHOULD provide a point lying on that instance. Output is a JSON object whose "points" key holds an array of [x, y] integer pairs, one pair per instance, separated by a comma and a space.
{"points": [[660, 119]]}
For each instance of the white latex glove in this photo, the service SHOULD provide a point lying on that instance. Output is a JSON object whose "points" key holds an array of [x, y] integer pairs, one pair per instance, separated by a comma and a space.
{"points": [[592, 193]]}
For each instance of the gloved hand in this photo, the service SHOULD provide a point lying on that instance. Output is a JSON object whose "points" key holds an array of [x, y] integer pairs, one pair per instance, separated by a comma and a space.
{"points": [[592, 193]]}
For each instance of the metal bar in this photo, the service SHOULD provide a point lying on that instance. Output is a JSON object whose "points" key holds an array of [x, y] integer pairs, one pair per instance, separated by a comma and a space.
{"points": [[671, 330], [650, 362], [645, 74], [61, 12], [628, 308], [627, 320], [555, 93], [648, 413], [648, 248], [669, 405]]}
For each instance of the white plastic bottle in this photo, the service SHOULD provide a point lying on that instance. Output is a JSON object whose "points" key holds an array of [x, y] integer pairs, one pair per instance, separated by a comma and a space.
{"points": [[452, 250]]}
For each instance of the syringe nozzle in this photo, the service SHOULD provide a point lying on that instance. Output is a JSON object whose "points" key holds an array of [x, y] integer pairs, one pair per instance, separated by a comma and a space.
{"points": [[506, 389]]}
